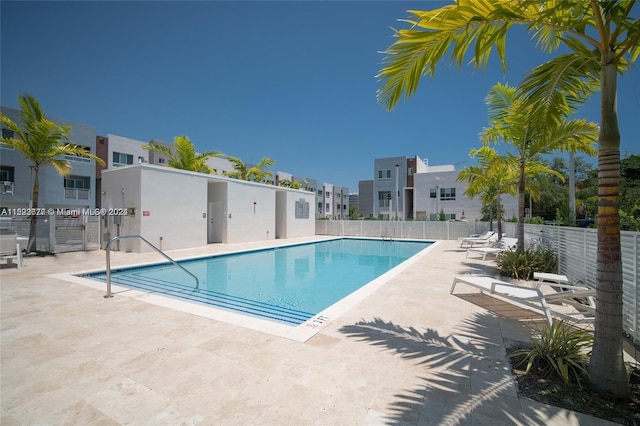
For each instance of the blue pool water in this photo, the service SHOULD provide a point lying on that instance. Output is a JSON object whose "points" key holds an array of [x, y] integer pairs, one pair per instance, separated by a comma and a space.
{"points": [[289, 284]]}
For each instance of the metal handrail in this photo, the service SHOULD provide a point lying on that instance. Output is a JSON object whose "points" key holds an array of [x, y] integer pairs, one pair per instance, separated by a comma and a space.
{"points": [[121, 237]]}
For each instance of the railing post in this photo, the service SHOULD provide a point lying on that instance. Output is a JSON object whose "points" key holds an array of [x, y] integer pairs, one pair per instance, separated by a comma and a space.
{"points": [[108, 295], [119, 237]]}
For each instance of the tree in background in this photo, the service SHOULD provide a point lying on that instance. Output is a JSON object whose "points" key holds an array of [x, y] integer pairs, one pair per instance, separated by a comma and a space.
{"points": [[603, 39], [42, 142], [494, 176], [254, 174], [530, 132], [184, 155]]}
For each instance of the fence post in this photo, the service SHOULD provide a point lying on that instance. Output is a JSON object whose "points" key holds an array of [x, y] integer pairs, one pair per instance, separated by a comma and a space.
{"points": [[52, 233]]}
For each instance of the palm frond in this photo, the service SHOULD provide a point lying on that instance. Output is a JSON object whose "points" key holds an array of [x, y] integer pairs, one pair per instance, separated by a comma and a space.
{"points": [[453, 28]]}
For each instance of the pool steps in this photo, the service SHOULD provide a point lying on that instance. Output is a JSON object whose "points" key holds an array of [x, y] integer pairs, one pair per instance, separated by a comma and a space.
{"points": [[207, 297]]}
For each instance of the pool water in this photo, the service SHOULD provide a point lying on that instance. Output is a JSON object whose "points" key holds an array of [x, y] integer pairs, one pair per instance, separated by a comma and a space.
{"points": [[289, 284]]}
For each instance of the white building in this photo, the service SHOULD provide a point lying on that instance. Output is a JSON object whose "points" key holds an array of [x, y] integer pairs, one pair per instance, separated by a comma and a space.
{"points": [[176, 209], [76, 191], [409, 188]]}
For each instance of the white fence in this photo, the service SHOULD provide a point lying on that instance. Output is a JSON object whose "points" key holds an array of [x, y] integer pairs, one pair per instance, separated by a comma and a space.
{"points": [[58, 234], [576, 249]]}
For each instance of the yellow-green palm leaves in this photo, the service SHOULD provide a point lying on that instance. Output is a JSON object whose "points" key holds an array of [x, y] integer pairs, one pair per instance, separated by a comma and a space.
{"points": [[530, 132], [494, 175], [603, 40], [42, 142], [184, 155], [254, 174]]}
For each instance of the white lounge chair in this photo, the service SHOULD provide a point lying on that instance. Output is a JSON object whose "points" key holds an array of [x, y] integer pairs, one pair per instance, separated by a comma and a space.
{"points": [[478, 239], [10, 250], [499, 247], [534, 297]]}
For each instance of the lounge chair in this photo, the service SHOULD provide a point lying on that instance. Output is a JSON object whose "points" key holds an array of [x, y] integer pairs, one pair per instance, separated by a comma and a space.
{"points": [[499, 247], [534, 297], [486, 237], [10, 250]]}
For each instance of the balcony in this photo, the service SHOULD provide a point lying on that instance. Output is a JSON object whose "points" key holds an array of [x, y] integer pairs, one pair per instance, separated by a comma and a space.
{"points": [[7, 187], [77, 193]]}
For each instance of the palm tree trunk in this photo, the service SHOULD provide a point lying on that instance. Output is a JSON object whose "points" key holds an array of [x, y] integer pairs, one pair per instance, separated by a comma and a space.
{"points": [[499, 217], [606, 368], [521, 204], [31, 245]]}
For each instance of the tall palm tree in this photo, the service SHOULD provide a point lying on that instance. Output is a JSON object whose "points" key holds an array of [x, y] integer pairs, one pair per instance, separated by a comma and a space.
{"points": [[184, 155], [44, 143], [603, 39], [533, 132], [493, 177]]}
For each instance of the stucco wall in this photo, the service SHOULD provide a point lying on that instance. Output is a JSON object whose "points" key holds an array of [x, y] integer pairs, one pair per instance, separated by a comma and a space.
{"points": [[173, 208], [251, 212], [170, 208]]}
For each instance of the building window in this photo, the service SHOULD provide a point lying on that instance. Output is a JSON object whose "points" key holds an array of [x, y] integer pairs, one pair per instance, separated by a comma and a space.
{"points": [[384, 198], [410, 171], [448, 194], [160, 160], [79, 158], [384, 174], [327, 194], [77, 187], [6, 133], [6, 180], [121, 159], [433, 193]]}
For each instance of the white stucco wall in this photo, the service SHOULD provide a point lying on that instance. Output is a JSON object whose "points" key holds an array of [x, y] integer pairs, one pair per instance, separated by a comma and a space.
{"points": [[119, 191], [176, 204], [251, 212], [171, 208], [472, 208], [288, 225]]}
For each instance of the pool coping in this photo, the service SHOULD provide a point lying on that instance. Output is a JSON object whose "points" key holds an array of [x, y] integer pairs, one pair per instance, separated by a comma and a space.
{"points": [[300, 333]]}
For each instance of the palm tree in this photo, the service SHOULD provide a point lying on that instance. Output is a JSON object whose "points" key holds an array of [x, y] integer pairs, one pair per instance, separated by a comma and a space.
{"points": [[42, 142], [239, 169], [492, 177], [257, 172], [184, 155], [254, 174], [603, 40], [533, 132]]}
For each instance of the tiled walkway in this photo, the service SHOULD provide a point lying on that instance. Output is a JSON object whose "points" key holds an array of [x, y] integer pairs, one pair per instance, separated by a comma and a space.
{"points": [[410, 353]]}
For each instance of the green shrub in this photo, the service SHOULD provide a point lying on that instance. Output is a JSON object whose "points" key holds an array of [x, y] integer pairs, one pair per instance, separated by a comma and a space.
{"points": [[522, 265], [560, 352]]}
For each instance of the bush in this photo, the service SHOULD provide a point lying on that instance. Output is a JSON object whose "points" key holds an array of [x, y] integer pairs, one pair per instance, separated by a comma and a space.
{"points": [[522, 265], [560, 352]]}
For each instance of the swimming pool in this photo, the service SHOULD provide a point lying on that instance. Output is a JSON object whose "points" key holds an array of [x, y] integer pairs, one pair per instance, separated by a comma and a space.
{"points": [[289, 284]]}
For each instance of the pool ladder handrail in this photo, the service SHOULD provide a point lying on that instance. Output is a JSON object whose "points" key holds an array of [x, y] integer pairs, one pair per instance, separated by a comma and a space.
{"points": [[121, 237]]}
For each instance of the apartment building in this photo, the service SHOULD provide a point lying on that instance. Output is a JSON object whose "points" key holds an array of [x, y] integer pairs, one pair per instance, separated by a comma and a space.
{"points": [[333, 202], [410, 189], [76, 191]]}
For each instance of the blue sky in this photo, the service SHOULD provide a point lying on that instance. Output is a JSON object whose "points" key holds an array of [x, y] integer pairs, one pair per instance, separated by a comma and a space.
{"points": [[290, 80]]}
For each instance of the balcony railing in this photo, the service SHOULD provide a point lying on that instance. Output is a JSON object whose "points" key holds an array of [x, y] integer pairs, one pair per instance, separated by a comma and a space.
{"points": [[7, 188], [77, 193]]}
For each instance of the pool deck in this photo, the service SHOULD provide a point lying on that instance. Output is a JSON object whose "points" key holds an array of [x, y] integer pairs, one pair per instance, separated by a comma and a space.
{"points": [[407, 353]]}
